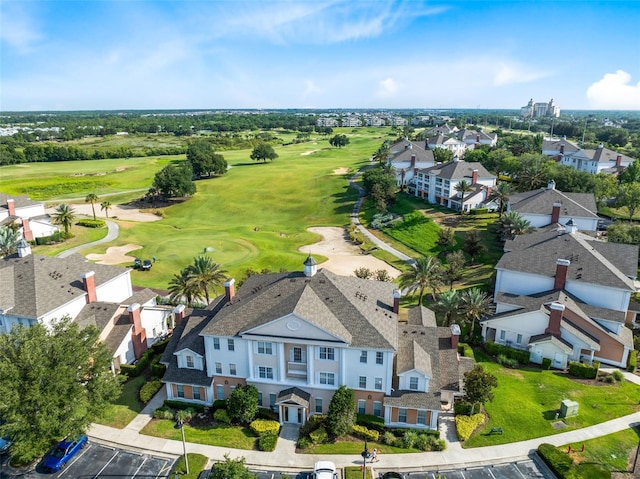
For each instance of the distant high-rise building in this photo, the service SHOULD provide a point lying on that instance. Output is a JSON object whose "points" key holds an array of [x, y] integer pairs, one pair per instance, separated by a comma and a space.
{"points": [[540, 109]]}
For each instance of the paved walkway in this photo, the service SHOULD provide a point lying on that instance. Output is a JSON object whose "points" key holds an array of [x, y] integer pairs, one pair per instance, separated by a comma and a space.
{"points": [[112, 233]]}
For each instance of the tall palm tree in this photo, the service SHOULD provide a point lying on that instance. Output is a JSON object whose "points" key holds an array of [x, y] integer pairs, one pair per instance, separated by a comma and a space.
{"points": [[512, 224], [475, 305], [105, 206], [181, 288], [426, 273], [204, 273], [382, 153], [65, 216], [463, 187], [502, 192], [448, 304], [93, 199], [9, 240]]}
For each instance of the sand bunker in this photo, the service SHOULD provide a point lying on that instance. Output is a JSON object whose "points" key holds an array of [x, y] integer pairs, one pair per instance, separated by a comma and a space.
{"points": [[344, 256], [307, 153], [341, 171], [115, 255], [120, 212]]}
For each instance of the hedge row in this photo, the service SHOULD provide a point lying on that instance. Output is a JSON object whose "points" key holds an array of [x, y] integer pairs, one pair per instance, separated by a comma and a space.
{"points": [[519, 355], [410, 438], [633, 361], [151, 355], [183, 405], [149, 389], [370, 422], [584, 371], [56, 237], [546, 363], [365, 433], [262, 426], [479, 211], [87, 223], [563, 466], [267, 442], [465, 350], [465, 425]]}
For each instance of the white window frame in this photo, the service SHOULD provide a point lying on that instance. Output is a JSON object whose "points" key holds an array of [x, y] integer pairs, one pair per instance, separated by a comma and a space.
{"points": [[519, 339], [379, 357], [402, 413], [503, 334], [265, 347], [190, 361], [196, 392], [265, 372], [318, 406], [361, 380], [363, 357], [216, 344], [422, 420], [378, 384], [414, 381], [231, 345], [232, 370], [362, 406], [180, 391], [219, 391], [327, 378], [327, 353], [218, 368], [377, 408]]}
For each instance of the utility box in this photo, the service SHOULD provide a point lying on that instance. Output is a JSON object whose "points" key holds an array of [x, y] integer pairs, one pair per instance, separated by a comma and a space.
{"points": [[568, 408]]}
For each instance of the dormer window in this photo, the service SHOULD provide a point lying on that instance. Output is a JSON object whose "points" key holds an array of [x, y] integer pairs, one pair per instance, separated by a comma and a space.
{"points": [[190, 362], [413, 383]]}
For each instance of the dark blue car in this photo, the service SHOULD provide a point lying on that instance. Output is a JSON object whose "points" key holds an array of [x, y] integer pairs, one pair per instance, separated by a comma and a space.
{"points": [[60, 455]]}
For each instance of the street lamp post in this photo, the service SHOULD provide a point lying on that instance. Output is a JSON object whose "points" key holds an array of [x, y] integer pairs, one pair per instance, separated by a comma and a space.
{"points": [[180, 425], [365, 455]]}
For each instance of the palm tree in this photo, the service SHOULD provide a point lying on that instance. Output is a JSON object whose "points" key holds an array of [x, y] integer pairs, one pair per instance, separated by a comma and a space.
{"points": [[92, 198], [181, 287], [65, 216], [512, 224], [476, 304], [502, 192], [448, 305], [105, 206], [426, 273], [463, 187], [382, 153], [204, 273], [9, 240]]}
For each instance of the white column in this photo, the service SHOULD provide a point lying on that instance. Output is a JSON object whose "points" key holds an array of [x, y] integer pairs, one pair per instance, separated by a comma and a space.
{"points": [[343, 366], [388, 357], [281, 362], [311, 357], [250, 375], [387, 415], [434, 420]]}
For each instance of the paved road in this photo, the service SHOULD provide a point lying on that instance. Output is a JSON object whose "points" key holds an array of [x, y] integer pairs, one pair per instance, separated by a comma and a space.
{"points": [[112, 234]]}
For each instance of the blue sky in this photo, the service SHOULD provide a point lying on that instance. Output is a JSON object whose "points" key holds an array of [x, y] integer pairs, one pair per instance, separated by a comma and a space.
{"points": [[139, 54]]}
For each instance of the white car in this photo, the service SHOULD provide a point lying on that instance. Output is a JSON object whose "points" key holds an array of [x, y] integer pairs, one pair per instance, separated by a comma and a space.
{"points": [[324, 470]]}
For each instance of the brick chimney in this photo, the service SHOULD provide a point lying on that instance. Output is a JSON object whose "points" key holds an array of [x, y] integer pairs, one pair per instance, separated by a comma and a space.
{"points": [[26, 229], [396, 300], [474, 177], [178, 314], [555, 213], [11, 206], [229, 289], [455, 336], [413, 161], [619, 161], [562, 148], [554, 319], [562, 268], [89, 285], [138, 335], [477, 138]]}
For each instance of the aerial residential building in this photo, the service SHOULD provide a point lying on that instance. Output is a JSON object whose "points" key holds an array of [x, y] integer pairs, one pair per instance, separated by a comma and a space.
{"points": [[592, 161], [455, 146], [406, 157], [298, 337], [472, 138], [28, 214]]}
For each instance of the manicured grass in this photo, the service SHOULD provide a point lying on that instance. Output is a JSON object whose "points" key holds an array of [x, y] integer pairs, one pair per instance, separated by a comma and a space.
{"points": [[355, 447], [197, 463], [127, 407], [618, 213], [224, 436], [81, 235], [355, 472], [612, 450], [527, 399]]}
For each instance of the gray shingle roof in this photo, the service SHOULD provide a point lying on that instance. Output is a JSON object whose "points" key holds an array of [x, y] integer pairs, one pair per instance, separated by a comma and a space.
{"points": [[357, 311], [42, 284], [96, 314], [458, 170], [413, 400], [556, 144], [605, 155], [580, 205], [19, 201], [121, 328], [592, 261], [543, 338], [295, 395]]}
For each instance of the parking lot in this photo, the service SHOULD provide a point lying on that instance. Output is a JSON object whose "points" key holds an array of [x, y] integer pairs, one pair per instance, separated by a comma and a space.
{"points": [[98, 461]]}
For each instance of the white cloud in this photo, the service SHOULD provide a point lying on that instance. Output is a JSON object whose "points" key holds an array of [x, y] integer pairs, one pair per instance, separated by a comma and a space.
{"points": [[614, 91], [509, 73], [17, 28], [388, 88]]}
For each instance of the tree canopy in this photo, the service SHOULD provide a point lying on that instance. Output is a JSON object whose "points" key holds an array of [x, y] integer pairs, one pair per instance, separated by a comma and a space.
{"points": [[442, 155], [175, 181], [479, 385], [9, 239], [204, 160], [263, 152], [64, 216], [242, 404], [425, 274], [380, 183], [92, 198], [342, 412], [231, 469], [53, 383], [338, 141]]}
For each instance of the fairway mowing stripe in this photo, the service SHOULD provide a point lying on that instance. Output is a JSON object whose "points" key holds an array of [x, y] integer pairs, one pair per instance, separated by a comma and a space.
{"points": [[105, 466], [518, 469], [136, 473]]}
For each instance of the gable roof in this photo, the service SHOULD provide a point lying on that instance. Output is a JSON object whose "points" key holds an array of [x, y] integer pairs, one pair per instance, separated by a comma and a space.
{"points": [[592, 261], [558, 342], [541, 202], [42, 284], [555, 145], [357, 311], [404, 150], [19, 201], [458, 170], [605, 155]]}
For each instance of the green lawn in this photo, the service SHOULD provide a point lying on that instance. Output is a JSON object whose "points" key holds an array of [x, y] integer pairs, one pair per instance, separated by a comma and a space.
{"points": [[355, 446], [526, 401], [223, 436], [197, 463], [81, 235], [613, 450], [126, 408]]}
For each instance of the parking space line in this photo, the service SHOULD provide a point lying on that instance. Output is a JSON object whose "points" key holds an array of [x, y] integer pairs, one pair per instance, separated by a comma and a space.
{"points": [[83, 451], [488, 469], [139, 467], [518, 469], [105, 466], [166, 467]]}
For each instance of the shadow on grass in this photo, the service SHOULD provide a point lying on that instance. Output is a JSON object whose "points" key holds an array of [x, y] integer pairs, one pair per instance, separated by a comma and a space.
{"points": [[550, 415]]}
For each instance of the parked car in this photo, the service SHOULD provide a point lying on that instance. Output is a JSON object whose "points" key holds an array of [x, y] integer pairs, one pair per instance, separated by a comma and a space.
{"points": [[324, 470], [137, 263], [60, 455], [392, 475], [146, 265], [5, 444]]}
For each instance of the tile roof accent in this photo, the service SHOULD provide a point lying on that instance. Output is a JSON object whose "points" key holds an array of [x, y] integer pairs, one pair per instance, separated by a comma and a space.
{"points": [[581, 205], [42, 283], [356, 310], [458, 170], [592, 261], [412, 356]]}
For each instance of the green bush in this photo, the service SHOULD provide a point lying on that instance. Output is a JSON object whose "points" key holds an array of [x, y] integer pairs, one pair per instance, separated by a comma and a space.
{"points": [[158, 347], [319, 436], [365, 433], [163, 412], [264, 413], [56, 237], [462, 408], [496, 349], [559, 462], [128, 370], [371, 422], [633, 361], [268, 441], [546, 364], [304, 442], [87, 223], [220, 404], [388, 438], [428, 442], [263, 426], [479, 211], [465, 425], [158, 370], [183, 405], [222, 416], [148, 390], [584, 371], [409, 439], [465, 350]]}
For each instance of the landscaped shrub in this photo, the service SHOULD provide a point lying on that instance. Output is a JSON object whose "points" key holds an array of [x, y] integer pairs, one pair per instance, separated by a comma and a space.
{"points": [[262, 426], [158, 347], [546, 363], [508, 362], [148, 390], [496, 349], [465, 350], [607, 378], [163, 412], [427, 442], [319, 436], [559, 462], [87, 223], [222, 416], [183, 405], [365, 433], [128, 370], [584, 371], [465, 425], [388, 438], [409, 439], [462, 408], [220, 404], [370, 422], [268, 441], [56, 237], [158, 370], [268, 414], [479, 211], [618, 376], [633, 361], [304, 442]]}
